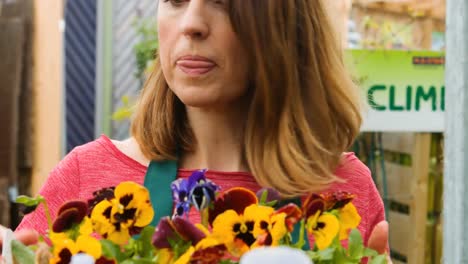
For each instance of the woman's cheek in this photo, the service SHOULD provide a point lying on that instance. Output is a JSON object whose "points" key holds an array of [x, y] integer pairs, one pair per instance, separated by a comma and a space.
{"points": [[164, 46]]}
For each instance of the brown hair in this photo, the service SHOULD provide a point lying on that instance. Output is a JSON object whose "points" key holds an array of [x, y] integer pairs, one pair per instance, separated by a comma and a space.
{"points": [[304, 109]]}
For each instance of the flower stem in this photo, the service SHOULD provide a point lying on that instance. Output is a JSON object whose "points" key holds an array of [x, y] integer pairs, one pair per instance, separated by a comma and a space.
{"points": [[301, 242], [204, 217], [47, 213]]}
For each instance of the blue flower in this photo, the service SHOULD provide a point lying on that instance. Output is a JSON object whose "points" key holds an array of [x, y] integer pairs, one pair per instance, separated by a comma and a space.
{"points": [[196, 190], [203, 192], [180, 193]]}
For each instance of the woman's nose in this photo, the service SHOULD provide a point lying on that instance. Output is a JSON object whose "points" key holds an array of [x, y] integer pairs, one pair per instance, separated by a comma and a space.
{"points": [[194, 22]]}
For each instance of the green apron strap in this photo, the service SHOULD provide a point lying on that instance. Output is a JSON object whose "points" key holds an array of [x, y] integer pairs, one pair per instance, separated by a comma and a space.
{"points": [[297, 228], [158, 179]]}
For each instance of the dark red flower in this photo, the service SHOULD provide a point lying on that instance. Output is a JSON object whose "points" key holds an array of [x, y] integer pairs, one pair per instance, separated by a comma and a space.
{"points": [[293, 215], [69, 214], [164, 232], [326, 202], [103, 260], [172, 230], [236, 199], [187, 230], [211, 255], [336, 200], [312, 204]]}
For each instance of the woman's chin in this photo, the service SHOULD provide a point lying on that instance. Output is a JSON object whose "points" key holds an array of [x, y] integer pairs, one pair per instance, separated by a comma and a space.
{"points": [[207, 101], [208, 97]]}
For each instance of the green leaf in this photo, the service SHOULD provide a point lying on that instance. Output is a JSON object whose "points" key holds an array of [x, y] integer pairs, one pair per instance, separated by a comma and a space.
{"points": [[380, 259], [130, 246], [29, 201], [143, 261], [111, 250], [369, 253], [341, 258], [137, 261], [322, 255], [145, 248], [179, 246], [22, 253], [264, 196], [356, 246], [228, 261]]}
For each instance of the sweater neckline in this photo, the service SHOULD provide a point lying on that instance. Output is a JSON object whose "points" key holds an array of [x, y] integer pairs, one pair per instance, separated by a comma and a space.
{"points": [[109, 145]]}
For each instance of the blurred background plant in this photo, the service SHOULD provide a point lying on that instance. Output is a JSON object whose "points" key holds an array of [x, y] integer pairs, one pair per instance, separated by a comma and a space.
{"points": [[145, 52]]}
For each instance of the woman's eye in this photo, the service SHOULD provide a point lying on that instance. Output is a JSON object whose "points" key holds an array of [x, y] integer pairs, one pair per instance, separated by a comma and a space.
{"points": [[175, 2], [220, 2]]}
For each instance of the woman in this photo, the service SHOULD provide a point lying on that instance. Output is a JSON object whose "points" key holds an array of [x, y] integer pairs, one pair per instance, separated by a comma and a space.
{"points": [[255, 91]]}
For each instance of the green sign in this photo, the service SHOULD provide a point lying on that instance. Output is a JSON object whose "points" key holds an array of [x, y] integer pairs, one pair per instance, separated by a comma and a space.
{"points": [[403, 90]]}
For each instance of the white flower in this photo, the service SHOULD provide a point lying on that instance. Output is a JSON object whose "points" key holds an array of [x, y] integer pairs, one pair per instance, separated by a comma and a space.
{"points": [[275, 255], [82, 259]]}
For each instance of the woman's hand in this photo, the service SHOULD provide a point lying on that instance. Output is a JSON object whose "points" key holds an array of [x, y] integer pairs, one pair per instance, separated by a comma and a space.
{"points": [[378, 239]]}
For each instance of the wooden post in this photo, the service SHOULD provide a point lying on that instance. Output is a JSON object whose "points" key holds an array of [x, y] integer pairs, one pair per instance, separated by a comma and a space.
{"points": [[421, 156], [408, 191], [11, 53], [456, 144], [47, 87]]}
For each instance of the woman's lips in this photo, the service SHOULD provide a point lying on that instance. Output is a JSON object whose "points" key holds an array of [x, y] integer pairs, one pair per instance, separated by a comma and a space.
{"points": [[195, 65]]}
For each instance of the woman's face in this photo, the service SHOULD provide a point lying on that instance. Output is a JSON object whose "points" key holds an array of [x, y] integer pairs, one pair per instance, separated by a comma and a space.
{"points": [[202, 59]]}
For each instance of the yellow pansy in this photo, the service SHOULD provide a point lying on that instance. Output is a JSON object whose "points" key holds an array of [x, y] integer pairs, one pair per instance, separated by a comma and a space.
{"points": [[118, 235], [105, 226], [208, 251], [132, 206], [238, 231], [269, 232], [86, 227], [349, 219], [57, 238], [206, 243], [324, 228], [64, 247], [203, 229], [89, 245], [165, 255], [63, 250], [130, 209]]}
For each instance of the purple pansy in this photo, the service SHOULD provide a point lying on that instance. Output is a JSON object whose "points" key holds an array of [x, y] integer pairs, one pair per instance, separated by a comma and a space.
{"points": [[180, 193], [204, 190], [196, 190]]}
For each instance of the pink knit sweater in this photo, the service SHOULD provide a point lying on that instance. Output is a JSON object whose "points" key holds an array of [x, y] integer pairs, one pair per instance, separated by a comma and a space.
{"points": [[100, 164]]}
